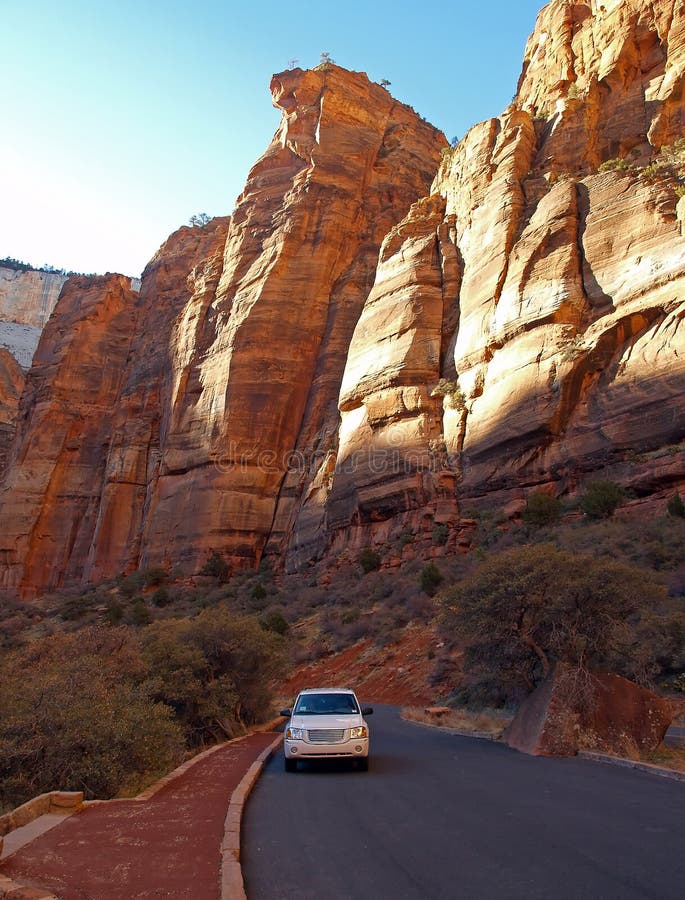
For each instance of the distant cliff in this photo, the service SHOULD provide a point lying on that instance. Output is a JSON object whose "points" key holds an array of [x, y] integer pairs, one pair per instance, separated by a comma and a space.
{"points": [[387, 333], [27, 297]]}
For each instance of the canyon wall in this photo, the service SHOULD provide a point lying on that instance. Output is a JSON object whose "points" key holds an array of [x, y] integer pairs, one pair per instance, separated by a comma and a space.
{"points": [[11, 386], [543, 281], [387, 332], [234, 352]]}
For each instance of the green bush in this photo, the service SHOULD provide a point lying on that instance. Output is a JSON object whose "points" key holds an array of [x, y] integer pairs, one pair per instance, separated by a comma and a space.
{"points": [[76, 716], [601, 499], [216, 567], [441, 532], [456, 398], [275, 621], [161, 596], [258, 591], [676, 507], [529, 607], [140, 614], [369, 560], [132, 584], [617, 164], [541, 509], [406, 536], [214, 671], [114, 613], [153, 577], [431, 579]]}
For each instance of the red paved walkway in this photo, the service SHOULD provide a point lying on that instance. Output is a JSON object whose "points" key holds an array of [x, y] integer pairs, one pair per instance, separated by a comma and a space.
{"points": [[167, 846]]}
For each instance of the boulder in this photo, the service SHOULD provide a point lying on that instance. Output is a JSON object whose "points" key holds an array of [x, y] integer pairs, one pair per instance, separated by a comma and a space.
{"points": [[603, 712]]}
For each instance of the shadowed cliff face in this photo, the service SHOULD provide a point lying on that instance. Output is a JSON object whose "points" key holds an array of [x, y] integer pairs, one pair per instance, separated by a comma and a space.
{"points": [[357, 350], [11, 386], [51, 494]]}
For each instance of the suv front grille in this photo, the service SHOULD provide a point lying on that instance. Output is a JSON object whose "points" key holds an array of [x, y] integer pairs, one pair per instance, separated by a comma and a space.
{"points": [[326, 735]]}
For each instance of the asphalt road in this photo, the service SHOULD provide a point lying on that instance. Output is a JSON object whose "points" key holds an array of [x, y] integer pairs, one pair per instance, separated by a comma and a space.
{"points": [[442, 816]]}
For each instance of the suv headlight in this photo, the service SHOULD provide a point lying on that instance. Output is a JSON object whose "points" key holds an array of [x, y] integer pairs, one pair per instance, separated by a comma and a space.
{"points": [[358, 732], [295, 734]]}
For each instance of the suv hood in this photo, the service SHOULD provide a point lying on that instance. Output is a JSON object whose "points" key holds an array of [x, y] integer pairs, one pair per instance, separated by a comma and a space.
{"points": [[348, 721]]}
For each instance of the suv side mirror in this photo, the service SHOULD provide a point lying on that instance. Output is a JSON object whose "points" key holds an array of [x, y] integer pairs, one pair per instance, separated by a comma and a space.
{"points": [[367, 710], [285, 712]]}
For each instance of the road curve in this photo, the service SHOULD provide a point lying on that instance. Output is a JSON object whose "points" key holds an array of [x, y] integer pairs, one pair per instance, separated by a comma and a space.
{"points": [[442, 816]]}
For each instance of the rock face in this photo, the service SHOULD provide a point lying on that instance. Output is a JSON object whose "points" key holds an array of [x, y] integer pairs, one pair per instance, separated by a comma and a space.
{"points": [[28, 297], [11, 386], [547, 287], [26, 300], [233, 353], [367, 347], [51, 493], [609, 714]]}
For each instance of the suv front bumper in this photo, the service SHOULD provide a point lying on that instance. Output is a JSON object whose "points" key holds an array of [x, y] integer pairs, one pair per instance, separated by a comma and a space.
{"points": [[350, 749]]}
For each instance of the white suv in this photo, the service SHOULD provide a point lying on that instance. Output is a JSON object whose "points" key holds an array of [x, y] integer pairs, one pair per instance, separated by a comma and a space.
{"points": [[326, 723]]}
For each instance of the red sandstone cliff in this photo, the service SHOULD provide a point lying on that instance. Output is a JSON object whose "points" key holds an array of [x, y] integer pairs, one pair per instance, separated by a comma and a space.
{"points": [[11, 386], [548, 290], [282, 387], [235, 351]]}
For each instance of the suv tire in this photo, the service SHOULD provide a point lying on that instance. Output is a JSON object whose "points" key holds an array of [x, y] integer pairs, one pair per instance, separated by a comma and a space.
{"points": [[290, 765]]}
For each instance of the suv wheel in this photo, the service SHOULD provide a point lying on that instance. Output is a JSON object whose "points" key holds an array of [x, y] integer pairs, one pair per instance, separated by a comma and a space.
{"points": [[290, 765], [363, 764]]}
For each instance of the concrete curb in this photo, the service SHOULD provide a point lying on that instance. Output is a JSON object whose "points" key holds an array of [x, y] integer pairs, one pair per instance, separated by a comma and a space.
{"points": [[51, 802], [650, 768], [232, 885]]}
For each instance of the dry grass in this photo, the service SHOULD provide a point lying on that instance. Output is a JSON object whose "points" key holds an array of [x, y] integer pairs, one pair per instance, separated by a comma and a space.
{"points": [[668, 757], [461, 720]]}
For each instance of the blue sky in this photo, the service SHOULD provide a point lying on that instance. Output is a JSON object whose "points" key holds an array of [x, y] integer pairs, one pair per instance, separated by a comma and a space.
{"points": [[123, 119]]}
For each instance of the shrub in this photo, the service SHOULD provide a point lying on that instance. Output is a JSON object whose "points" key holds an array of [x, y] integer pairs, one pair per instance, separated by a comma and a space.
{"points": [[214, 670], [114, 613], [676, 507], [153, 577], [349, 616], [140, 614], [601, 499], [258, 591], [527, 608], [275, 621], [617, 164], [652, 171], [76, 716], [161, 596], [216, 567], [369, 560], [431, 579], [450, 390], [132, 584], [541, 509], [441, 532], [406, 536]]}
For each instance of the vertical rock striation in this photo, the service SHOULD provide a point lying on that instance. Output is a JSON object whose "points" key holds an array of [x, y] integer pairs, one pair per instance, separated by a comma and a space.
{"points": [[365, 342], [51, 493], [234, 353], [11, 386], [550, 284]]}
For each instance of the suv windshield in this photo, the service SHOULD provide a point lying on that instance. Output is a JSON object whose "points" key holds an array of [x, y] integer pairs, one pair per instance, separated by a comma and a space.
{"points": [[326, 705]]}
